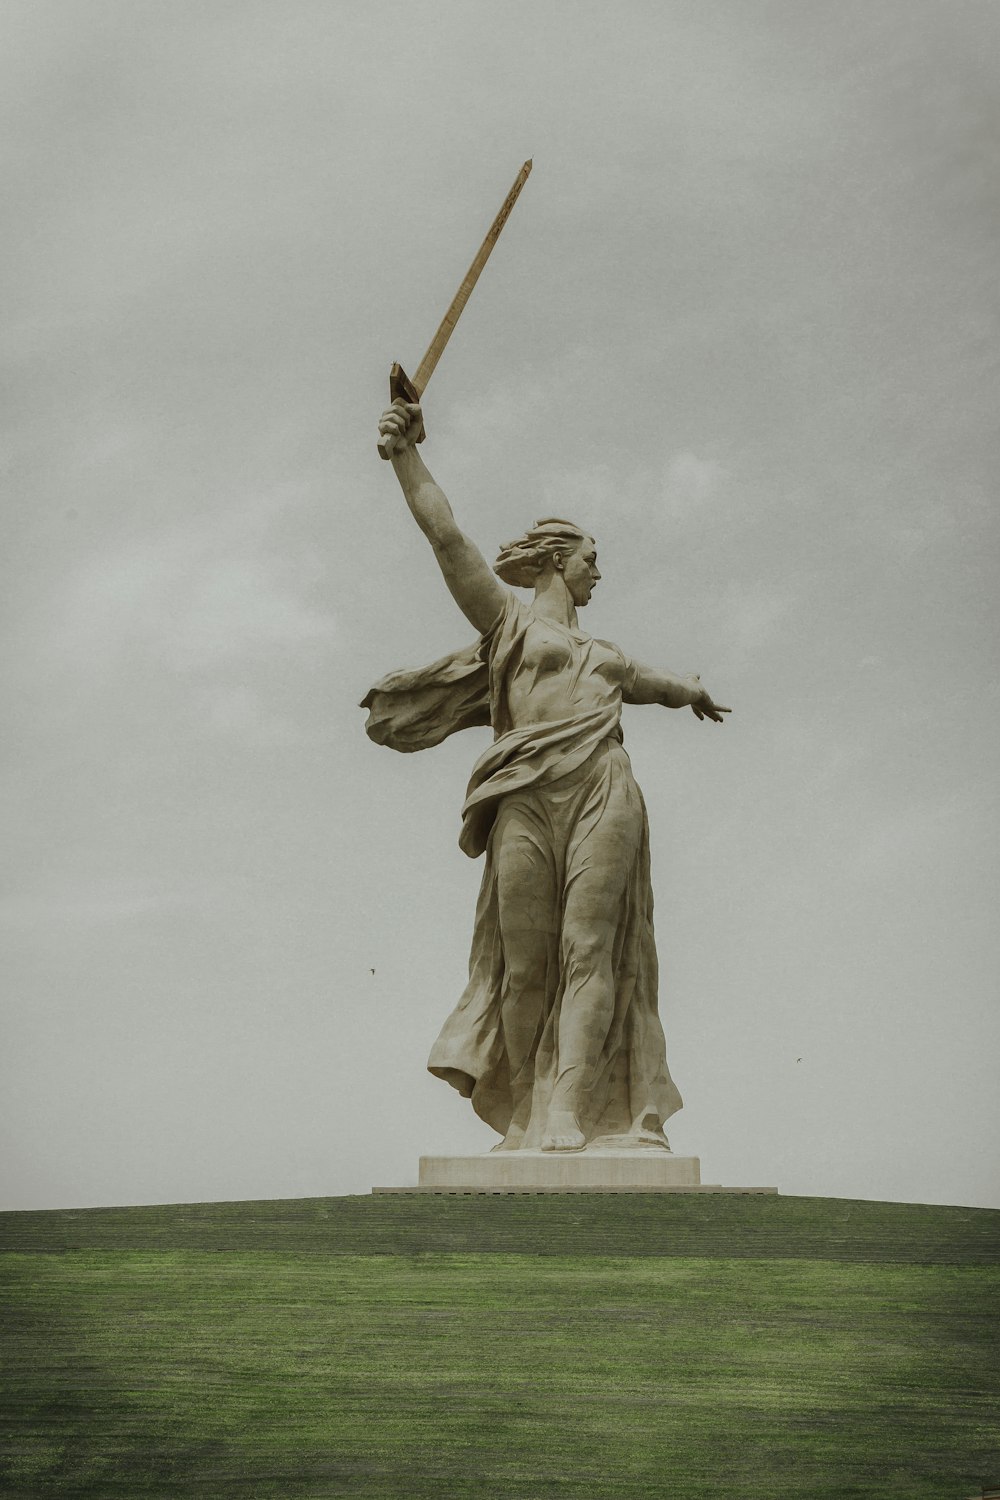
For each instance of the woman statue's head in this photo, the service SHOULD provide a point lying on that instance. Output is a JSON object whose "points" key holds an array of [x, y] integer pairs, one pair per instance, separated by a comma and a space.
{"points": [[551, 546]]}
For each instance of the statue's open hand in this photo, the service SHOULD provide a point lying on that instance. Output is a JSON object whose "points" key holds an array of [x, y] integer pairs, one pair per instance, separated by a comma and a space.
{"points": [[402, 421], [701, 704]]}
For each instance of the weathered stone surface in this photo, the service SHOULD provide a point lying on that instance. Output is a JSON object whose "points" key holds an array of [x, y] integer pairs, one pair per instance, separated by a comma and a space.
{"points": [[557, 1039], [591, 1169]]}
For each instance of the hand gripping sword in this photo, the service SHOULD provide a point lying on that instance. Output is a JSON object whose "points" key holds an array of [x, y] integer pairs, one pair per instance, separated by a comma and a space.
{"points": [[401, 387]]}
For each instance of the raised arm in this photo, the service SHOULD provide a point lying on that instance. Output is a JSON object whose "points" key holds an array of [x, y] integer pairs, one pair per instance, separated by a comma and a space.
{"points": [[644, 685], [473, 584]]}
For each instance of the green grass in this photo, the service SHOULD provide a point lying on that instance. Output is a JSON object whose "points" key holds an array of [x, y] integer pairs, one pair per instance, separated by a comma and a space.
{"points": [[455, 1347], [547, 1224]]}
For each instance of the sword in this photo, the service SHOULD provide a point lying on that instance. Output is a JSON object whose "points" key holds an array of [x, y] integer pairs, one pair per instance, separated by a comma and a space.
{"points": [[401, 387]]}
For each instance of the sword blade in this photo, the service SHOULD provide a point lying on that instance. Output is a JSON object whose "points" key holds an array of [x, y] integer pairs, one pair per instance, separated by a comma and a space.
{"points": [[437, 345]]}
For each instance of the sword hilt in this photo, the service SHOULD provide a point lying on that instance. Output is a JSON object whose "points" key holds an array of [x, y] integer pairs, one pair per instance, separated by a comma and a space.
{"points": [[401, 388]]}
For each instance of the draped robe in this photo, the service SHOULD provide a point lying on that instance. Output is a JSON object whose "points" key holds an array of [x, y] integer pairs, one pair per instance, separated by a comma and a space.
{"points": [[564, 789]]}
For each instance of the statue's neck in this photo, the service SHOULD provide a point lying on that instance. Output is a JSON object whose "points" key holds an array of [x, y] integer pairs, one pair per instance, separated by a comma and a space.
{"points": [[552, 601]]}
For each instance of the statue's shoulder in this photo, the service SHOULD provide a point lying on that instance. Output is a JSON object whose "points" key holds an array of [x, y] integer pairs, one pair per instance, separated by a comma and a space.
{"points": [[514, 616]]}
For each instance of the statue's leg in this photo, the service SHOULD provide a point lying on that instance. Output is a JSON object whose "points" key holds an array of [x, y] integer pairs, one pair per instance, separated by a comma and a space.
{"points": [[599, 867], [527, 896]]}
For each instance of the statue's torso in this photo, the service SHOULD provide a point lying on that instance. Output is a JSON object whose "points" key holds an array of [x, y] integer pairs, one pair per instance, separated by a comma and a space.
{"points": [[560, 673]]}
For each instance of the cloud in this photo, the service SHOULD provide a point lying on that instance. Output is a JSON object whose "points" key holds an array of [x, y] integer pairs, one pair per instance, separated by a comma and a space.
{"points": [[487, 418], [690, 484], [586, 496], [239, 712], [922, 835], [197, 596], [96, 903], [686, 489], [753, 615]]}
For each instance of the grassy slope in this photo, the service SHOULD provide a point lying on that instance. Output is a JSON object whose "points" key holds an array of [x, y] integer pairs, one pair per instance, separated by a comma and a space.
{"points": [[574, 1224], [529, 1347]]}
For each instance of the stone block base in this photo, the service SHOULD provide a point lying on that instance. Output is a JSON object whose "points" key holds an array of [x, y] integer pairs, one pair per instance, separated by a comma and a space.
{"points": [[591, 1171], [646, 1168]]}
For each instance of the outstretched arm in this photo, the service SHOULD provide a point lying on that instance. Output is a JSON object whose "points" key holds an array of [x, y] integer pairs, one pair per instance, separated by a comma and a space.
{"points": [[473, 584], [643, 685]]}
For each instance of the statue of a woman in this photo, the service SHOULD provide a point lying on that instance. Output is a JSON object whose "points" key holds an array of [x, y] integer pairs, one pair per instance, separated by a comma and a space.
{"points": [[556, 1040]]}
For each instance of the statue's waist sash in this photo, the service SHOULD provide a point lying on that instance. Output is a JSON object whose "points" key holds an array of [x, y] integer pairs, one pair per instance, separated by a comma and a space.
{"points": [[530, 757]]}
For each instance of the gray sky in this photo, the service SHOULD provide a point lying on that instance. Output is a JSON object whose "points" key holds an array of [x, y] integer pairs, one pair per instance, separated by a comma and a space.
{"points": [[742, 324]]}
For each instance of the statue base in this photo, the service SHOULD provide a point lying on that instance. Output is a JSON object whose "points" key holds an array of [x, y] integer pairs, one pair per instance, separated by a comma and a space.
{"points": [[594, 1170]]}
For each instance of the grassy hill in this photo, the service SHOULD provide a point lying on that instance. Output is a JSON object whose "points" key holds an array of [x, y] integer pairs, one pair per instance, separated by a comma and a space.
{"points": [[584, 1346]]}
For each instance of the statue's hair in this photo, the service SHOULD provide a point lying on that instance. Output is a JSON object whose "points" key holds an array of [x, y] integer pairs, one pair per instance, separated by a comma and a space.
{"points": [[521, 562]]}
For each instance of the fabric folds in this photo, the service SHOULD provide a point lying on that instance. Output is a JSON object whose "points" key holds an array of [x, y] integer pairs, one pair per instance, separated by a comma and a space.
{"points": [[556, 810]]}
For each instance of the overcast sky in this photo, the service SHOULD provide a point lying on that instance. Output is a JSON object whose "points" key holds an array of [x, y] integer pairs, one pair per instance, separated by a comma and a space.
{"points": [[743, 324]]}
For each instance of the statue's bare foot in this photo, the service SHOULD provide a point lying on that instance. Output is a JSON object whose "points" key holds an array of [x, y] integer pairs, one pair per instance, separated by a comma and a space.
{"points": [[563, 1133], [520, 1115], [512, 1141]]}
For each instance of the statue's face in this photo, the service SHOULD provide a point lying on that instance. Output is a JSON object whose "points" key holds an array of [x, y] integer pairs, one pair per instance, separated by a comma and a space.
{"points": [[579, 569]]}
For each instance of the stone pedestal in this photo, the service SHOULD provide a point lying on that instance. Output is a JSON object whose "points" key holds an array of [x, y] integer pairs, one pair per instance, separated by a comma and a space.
{"points": [[561, 1170], [595, 1170]]}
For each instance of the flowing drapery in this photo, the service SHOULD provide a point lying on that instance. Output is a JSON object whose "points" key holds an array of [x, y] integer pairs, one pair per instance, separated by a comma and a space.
{"points": [[559, 798]]}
